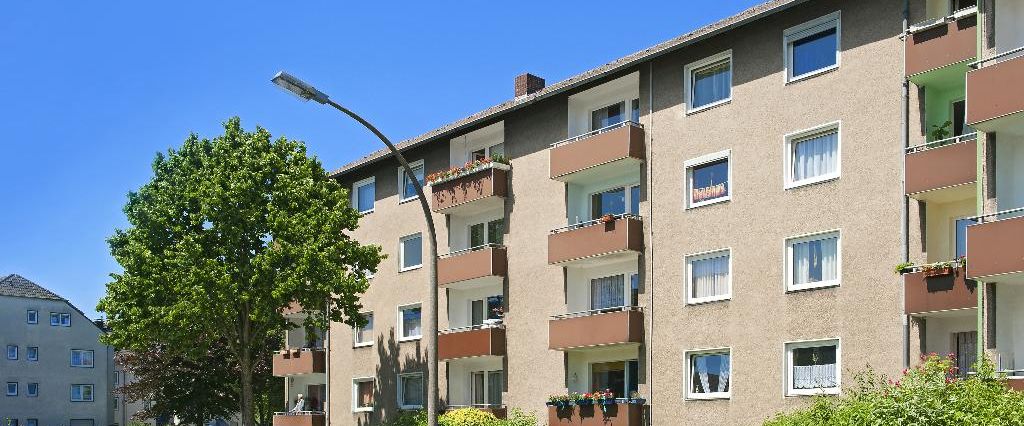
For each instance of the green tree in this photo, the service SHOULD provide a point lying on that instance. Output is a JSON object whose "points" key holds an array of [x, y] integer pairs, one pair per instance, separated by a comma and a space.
{"points": [[229, 232]]}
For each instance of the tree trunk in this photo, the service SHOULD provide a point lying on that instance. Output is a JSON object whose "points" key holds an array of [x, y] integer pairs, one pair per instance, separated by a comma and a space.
{"points": [[246, 397]]}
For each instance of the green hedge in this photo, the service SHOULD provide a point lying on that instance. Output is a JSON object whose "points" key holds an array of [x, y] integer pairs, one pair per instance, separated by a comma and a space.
{"points": [[466, 417]]}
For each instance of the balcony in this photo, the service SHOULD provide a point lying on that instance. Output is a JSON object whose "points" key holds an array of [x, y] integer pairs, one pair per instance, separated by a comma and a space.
{"points": [[470, 192], [941, 42], [621, 326], [472, 265], [939, 289], [293, 362], [607, 237], [610, 151], [620, 414], [995, 95], [305, 418], [994, 247], [942, 171], [471, 342]]}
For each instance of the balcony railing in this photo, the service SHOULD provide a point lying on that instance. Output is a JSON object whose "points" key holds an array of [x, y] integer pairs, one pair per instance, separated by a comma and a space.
{"points": [[995, 95], [473, 191], [302, 418], [596, 238], [616, 147], [489, 260], [948, 164], [994, 245], [292, 362], [472, 341], [940, 42], [938, 288], [618, 414], [603, 327]]}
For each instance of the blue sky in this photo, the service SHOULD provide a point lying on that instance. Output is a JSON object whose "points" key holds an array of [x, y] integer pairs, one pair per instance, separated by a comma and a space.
{"points": [[91, 91]]}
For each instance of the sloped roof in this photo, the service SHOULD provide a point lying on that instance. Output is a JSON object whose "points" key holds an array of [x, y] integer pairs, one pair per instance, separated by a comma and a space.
{"points": [[19, 286]]}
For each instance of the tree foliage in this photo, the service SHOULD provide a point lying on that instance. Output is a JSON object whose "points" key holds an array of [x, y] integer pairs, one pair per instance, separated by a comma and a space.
{"points": [[227, 233], [930, 394]]}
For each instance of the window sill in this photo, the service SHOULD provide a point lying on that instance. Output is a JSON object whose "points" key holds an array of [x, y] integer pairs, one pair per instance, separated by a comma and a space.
{"points": [[708, 397], [790, 288], [410, 339], [812, 74], [406, 200], [707, 300], [691, 111], [362, 345], [366, 212], [411, 268], [410, 407], [811, 181], [812, 392], [362, 410], [709, 202]]}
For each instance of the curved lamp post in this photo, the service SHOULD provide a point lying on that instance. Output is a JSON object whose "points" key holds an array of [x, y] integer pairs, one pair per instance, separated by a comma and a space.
{"points": [[307, 92]]}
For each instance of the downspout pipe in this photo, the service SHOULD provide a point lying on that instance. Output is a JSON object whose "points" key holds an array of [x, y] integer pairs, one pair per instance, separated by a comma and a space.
{"points": [[905, 214]]}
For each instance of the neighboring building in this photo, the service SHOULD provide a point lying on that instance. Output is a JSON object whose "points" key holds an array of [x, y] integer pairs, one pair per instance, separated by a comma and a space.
{"points": [[712, 221], [303, 363], [55, 371]]}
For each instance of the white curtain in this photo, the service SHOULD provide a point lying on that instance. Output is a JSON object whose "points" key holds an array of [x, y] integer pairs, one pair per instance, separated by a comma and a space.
{"points": [[412, 392], [723, 374], [711, 84], [815, 156], [710, 277], [702, 372], [814, 376], [411, 322], [607, 292], [815, 261]]}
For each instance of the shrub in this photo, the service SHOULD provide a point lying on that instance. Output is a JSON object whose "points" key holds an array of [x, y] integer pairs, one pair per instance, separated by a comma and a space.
{"points": [[467, 417], [517, 417], [929, 394]]}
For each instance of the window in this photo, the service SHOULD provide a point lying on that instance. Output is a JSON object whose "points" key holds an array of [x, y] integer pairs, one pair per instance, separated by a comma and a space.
{"points": [[709, 277], [409, 321], [708, 82], [364, 193], [965, 344], [65, 320], [707, 179], [635, 110], [618, 376], [31, 422], [812, 367], [12, 388], [12, 352], [488, 152], [82, 358], [117, 377], [54, 319], [490, 308], [634, 200], [32, 316], [614, 202], [364, 334], [362, 394], [959, 118], [812, 156], [634, 289], [406, 183], [709, 372], [607, 292], [960, 236], [32, 353], [492, 232], [81, 393], [410, 252], [486, 388], [607, 116], [812, 48], [33, 390], [955, 5], [117, 403], [813, 261], [410, 390]]}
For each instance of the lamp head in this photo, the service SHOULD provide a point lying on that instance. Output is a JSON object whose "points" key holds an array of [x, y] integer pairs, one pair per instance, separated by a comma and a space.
{"points": [[298, 87]]}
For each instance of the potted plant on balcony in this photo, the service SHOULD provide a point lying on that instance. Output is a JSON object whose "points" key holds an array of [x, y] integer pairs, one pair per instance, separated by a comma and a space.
{"points": [[940, 131], [637, 398], [608, 218], [938, 269], [582, 399]]}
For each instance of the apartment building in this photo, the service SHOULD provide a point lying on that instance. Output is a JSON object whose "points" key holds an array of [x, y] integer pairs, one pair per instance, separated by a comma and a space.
{"points": [[55, 370], [711, 222]]}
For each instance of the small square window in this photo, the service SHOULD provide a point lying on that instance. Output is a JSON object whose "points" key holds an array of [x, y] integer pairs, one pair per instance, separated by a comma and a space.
{"points": [[709, 373], [709, 277], [708, 179], [362, 394], [410, 322], [32, 316], [12, 352], [81, 393], [708, 82], [813, 261], [364, 334], [410, 252], [410, 391], [813, 156], [30, 422], [12, 388], [364, 194], [65, 320], [408, 186], [812, 48], [82, 358], [55, 319], [813, 367], [33, 390], [32, 353]]}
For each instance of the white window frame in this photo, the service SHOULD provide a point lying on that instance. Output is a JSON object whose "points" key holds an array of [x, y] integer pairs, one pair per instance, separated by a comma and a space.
{"points": [[355, 394], [401, 252], [54, 316], [788, 374], [32, 316], [372, 180], [690, 164], [71, 362], [626, 112], [688, 259], [64, 316], [788, 256], [401, 388], [688, 82], [92, 393], [809, 28], [7, 389], [628, 197], [627, 378], [355, 334], [401, 325], [688, 377], [789, 142], [487, 151], [401, 180], [487, 230], [16, 353], [487, 386], [28, 353], [627, 285], [28, 390]]}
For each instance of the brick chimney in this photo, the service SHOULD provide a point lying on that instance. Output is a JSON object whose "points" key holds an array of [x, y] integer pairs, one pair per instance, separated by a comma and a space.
{"points": [[527, 83]]}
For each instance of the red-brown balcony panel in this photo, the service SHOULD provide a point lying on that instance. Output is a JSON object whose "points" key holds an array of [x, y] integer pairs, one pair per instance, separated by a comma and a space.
{"points": [[624, 234], [597, 415], [940, 43], [995, 248], [587, 330], [469, 343], [474, 192], [943, 171], [300, 419], [995, 94], [938, 290], [291, 362], [615, 148], [1015, 383], [490, 261]]}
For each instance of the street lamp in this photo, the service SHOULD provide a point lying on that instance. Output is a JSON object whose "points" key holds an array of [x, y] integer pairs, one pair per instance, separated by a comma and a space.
{"points": [[307, 92]]}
